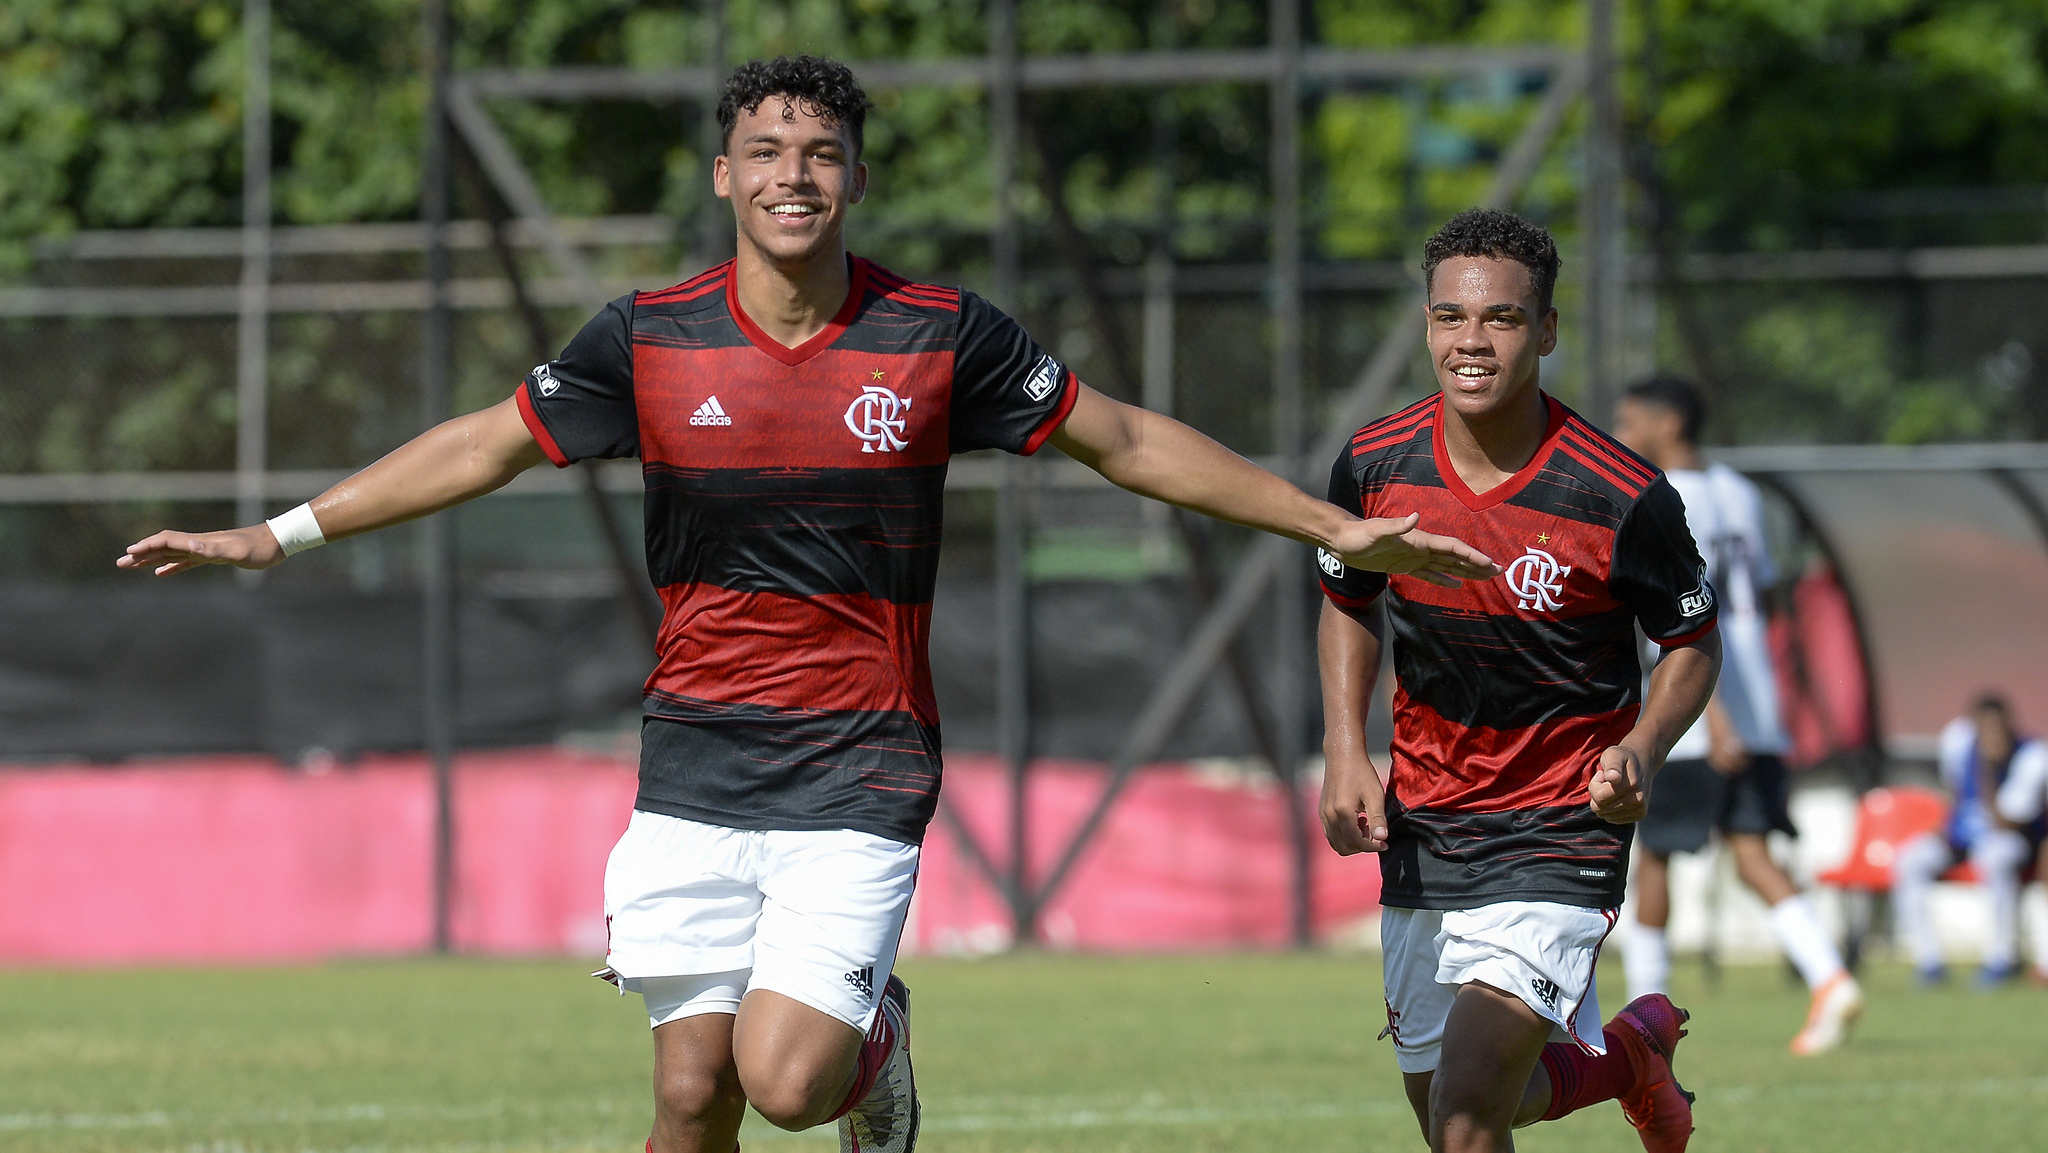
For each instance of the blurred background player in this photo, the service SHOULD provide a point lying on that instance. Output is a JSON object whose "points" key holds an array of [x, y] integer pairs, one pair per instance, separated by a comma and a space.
{"points": [[794, 411], [1725, 773], [2023, 804], [1980, 753], [1524, 740]]}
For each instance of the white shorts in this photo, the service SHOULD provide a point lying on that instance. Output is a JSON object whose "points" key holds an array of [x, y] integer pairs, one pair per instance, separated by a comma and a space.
{"points": [[1539, 951], [697, 915]]}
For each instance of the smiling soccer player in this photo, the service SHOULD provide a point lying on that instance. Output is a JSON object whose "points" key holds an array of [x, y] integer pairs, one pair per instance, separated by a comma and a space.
{"points": [[1524, 746], [794, 410]]}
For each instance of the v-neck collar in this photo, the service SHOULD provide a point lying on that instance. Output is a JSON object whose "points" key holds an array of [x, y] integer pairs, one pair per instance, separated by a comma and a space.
{"points": [[856, 288], [1480, 502]]}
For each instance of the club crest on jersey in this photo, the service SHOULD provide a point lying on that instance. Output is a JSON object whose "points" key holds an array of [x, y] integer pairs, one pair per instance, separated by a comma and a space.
{"points": [[1045, 376], [1699, 600], [544, 378], [880, 419], [1537, 580]]}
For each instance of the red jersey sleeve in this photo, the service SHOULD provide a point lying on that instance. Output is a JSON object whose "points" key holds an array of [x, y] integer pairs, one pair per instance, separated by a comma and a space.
{"points": [[1008, 393], [1347, 587], [579, 406]]}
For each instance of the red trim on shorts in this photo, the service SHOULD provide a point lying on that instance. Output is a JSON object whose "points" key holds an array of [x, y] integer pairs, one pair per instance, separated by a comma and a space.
{"points": [[1571, 1027]]}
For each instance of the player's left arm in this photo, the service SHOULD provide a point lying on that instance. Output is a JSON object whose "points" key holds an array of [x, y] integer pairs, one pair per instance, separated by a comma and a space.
{"points": [[1157, 456], [1657, 572], [1679, 688]]}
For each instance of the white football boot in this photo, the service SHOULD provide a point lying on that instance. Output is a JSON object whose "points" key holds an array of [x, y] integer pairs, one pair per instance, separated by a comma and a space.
{"points": [[886, 1120]]}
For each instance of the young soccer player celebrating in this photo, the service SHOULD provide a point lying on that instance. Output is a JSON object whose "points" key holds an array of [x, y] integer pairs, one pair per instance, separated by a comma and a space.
{"points": [[794, 410], [1523, 743]]}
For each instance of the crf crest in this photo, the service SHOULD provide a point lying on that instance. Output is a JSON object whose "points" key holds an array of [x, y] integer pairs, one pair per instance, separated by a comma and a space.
{"points": [[879, 418], [1537, 580]]}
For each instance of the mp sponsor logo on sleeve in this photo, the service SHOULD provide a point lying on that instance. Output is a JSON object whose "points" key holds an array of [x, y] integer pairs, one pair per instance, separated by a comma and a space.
{"points": [[1330, 562], [1045, 376], [544, 379], [1699, 600]]}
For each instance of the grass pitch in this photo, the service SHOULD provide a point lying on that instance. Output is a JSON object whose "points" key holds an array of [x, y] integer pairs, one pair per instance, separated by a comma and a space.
{"points": [[1025, 1053]]}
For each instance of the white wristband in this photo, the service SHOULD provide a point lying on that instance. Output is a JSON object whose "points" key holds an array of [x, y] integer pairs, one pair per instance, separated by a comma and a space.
{"points": [[297, 530]]}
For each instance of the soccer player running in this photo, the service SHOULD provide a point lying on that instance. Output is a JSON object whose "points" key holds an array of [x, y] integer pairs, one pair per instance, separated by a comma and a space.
{"points": [[793, 410], [1524, 745], [1725, 772]]}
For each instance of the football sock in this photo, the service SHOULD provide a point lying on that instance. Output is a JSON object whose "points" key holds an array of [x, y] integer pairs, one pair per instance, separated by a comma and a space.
{"points": [[1999, 856], [1804, 941], [2037, 919], [1579, 1079], [874, 1053], [1646, 959]]}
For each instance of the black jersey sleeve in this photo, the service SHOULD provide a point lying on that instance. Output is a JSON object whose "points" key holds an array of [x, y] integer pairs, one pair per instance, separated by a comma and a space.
{"points": [[1658, 572], [579, 406], [1347, 587], [1008, 393]]}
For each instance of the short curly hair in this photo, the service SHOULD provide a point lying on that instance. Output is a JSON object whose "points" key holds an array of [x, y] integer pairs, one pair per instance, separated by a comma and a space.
{"points": [[1499, 235], [824, 88]]}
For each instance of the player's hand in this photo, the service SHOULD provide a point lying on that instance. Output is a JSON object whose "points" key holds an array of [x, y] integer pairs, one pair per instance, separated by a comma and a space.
{"points": [[1354, 810], [171, 551], [1618, 790], [1395, 545]]}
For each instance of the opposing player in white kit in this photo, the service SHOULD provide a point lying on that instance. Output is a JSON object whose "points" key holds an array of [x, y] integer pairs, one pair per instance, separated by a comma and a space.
{"points": [[793, 411], [1725, 773]]}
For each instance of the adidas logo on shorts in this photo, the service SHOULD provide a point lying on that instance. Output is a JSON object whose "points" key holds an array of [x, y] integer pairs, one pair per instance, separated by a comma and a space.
{"points": [[862, 981], [710, 412], [1547, 990]]}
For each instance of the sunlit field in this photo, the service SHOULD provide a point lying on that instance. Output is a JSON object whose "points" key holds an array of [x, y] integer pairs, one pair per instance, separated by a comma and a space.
{"points": [[1025, 1053]]}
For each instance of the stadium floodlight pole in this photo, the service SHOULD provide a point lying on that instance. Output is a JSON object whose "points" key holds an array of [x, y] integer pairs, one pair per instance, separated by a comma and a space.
{"points": [[437, 541], [1290, 648], [252, 330], [714, 238], [1013, 590], [1184, 678]]}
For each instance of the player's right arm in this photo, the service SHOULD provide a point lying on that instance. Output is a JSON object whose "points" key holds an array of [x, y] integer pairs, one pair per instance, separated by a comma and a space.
{"points": [[1354, 804], [450, 463]]}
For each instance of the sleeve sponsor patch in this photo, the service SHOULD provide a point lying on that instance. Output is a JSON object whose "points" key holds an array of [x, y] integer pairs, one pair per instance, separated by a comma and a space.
{"points": [[1045, 376]]}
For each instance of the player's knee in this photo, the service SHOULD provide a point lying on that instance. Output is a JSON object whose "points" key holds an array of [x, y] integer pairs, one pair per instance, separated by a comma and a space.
{"points": [[694, 1094], [792, 1099]]}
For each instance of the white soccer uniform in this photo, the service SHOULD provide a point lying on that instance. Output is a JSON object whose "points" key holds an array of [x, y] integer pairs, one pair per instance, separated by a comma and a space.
{"points": [[1726, 515]]}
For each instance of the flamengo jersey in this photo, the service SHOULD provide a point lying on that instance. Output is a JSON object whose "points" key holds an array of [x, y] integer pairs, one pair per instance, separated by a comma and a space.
{"points": [[793, 512], [1508, 690]]}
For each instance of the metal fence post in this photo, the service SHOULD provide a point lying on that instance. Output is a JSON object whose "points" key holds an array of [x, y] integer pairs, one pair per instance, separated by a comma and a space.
{"points": [[437, 539]]}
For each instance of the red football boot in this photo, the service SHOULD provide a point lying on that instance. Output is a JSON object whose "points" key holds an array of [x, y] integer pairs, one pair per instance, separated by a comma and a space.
{"points": [[1648, 1029]]}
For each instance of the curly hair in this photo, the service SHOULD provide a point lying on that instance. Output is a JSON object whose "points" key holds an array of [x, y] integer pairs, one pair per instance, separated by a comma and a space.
{"points": [[824, 88], [1500, 235]]}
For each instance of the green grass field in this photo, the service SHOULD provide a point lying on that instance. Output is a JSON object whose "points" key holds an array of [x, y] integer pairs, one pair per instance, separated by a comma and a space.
{"points": [[1024, 1053]]}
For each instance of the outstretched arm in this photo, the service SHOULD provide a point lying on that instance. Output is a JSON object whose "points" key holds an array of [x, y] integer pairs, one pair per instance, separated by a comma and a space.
{"points": [[1354, 805], [444, 466], [1679, 688], [1159, 457]]}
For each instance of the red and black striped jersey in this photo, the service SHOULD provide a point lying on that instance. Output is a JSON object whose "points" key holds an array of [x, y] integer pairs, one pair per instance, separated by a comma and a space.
{"points": [[793, 515], [1508, 690]]}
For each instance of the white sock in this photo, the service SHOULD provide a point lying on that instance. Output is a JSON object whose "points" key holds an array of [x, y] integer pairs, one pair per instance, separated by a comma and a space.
{"points": [[2037, 902], [1805, 942], [1645, 960]]}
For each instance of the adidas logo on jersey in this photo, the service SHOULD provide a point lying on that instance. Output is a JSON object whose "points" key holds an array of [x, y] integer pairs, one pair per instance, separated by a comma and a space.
{"points": [[710, 412]]}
